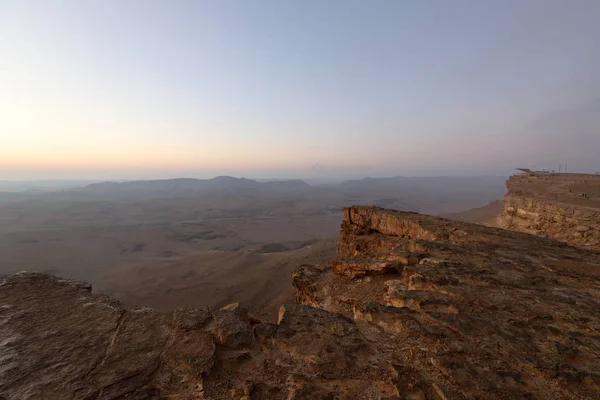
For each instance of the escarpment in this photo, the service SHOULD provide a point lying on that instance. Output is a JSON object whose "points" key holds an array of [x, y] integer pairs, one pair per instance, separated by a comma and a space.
{"points": [[468, 311], [412, 307], [564, 207]]}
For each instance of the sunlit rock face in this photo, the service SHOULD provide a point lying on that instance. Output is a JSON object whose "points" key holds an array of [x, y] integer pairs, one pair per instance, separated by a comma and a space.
{"points": [[564, 207]]}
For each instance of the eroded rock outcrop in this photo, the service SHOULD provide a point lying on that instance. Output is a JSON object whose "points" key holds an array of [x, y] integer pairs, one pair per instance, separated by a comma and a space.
{"points": [[414, 307], [477, 312], [59, 341], [564, 207]]}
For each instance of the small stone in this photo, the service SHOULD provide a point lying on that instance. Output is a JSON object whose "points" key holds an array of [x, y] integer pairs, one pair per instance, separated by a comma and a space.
{"points": [[231, 306]]}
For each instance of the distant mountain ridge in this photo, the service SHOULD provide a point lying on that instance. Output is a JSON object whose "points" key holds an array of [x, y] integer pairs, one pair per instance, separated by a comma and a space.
{"points": [[193, 184], [423, 194]]}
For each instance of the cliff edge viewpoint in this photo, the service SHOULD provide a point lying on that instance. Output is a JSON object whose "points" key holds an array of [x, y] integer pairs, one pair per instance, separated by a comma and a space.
{"points": [[412, 307]]}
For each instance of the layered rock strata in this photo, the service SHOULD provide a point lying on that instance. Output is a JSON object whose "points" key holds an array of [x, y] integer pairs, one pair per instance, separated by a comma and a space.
{"points": [[564, 207], [470, 311]]}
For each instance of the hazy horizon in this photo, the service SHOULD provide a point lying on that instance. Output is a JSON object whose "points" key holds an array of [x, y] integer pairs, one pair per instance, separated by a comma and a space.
{"points": [[107, 90], [311, 179], [325, 174]]}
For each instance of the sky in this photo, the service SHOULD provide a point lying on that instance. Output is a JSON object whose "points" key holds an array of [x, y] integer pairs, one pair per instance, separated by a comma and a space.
{"points": [[138, 89]]}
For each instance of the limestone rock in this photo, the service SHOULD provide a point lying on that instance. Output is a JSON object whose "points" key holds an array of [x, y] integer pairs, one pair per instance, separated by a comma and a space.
{"points": [[264, 330], [552, 205], [414, 307], [360, 267], [191, 318], [582, 228], [486, 313], [307, 282], [231, 330], [231, 306]]}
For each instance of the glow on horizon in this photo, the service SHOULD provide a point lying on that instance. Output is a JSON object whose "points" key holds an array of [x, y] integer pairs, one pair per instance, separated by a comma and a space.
{"points": [[271, 86]]}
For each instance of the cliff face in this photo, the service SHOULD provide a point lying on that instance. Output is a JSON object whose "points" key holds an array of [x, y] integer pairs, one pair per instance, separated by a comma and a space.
{"points": [[564, 207], [465, 310], [413, 307]]}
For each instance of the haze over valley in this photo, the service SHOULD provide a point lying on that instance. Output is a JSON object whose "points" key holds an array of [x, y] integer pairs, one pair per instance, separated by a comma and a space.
{"points": [[170, 243], [126, 129]]}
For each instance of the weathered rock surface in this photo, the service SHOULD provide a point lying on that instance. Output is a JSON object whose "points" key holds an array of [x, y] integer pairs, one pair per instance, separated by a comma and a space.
{"points": [[484, 313], [59, 341], [564, 207], [414, 307]]}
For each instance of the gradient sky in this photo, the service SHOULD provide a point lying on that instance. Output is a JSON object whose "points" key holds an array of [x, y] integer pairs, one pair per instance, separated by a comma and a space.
{"points": [[139, 89]]}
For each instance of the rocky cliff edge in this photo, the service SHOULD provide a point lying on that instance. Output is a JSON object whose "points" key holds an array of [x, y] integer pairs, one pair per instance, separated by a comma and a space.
{"points": [[413, 307], [563, 207]]}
